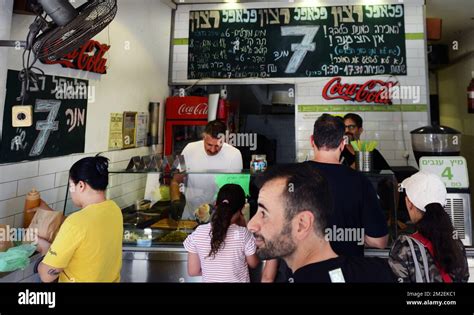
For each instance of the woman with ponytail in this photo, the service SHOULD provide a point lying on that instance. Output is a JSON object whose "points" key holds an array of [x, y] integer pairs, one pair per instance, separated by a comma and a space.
{"points": [[223, 250], [88, 246], [433, 253]]}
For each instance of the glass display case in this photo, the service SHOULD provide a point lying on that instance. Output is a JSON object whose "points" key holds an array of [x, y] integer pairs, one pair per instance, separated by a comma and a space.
{"points": [[155, 214], [163, 208]]}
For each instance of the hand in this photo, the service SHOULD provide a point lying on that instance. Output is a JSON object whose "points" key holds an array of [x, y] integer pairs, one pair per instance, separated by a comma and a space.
{"points": [[43, 246]]}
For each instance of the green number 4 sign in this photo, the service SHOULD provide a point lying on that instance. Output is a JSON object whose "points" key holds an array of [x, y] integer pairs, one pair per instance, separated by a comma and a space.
{"points": [[447, 173]]}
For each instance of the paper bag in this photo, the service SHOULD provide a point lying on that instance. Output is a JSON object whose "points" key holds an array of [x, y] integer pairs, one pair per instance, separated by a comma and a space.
{"points": [[47, 222], [5, 242]]}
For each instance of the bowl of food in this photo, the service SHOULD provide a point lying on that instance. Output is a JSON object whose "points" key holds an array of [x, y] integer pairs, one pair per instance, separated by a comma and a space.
{"points": [[203, 213], [177, 236]]}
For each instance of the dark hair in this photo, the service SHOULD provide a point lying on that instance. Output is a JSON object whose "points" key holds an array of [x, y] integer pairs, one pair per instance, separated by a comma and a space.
{"points": [[92, 170], [436, 226], [328, 131], [354, 117], [230, 200], [307, 190], [215, 128]]}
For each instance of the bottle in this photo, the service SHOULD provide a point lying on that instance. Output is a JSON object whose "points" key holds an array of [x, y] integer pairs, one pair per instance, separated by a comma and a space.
{"points": [[470, 96], [32, 201], [146, 240], [258, 163]]}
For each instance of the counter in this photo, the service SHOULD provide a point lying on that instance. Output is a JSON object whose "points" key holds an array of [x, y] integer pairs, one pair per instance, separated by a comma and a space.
{"points": [[26, 275], [162, 264]]}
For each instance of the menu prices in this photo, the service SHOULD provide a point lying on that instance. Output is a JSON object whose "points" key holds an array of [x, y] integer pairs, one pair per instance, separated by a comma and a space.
{"points": [[352, 40]]}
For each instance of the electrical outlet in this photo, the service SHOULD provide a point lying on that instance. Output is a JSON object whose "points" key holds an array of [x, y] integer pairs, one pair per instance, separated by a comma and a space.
{"points": [[406, 155], [22, 116]]}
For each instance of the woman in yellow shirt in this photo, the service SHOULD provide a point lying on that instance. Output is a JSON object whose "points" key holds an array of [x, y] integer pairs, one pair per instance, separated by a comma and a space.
{"points": [[88, 246]]}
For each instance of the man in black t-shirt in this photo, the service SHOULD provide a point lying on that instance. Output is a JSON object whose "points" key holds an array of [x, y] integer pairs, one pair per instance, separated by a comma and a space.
{"points": [[356, 207], [353, 130], [294, 204]]}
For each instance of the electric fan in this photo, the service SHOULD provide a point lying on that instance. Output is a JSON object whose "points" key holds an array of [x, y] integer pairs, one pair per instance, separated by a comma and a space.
{"points": [[69, 27], [58, 29]]}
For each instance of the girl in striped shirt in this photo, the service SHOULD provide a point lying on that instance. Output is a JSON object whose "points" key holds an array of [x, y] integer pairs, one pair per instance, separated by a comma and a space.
{"points": [[223, 250]]}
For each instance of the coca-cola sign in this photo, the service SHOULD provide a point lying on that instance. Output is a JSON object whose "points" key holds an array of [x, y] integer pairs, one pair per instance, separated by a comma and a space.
{"points": [[196, 109], [88, 57], [372, 91]]}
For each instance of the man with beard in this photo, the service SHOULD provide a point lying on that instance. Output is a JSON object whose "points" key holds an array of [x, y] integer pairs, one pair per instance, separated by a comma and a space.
{"points": [[353, 130], [293, 206], [209, 154]]}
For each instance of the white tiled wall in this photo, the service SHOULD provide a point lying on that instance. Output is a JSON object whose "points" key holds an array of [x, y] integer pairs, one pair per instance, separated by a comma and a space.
{"points": [[50, 176], [391, 129]]}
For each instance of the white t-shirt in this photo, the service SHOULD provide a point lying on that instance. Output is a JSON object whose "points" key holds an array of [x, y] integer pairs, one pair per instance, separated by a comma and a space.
{"points": [[230, 263], [201, 188]]}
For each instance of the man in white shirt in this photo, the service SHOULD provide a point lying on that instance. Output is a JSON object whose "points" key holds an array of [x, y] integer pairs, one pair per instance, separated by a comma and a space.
{"points": [[208, 155]]}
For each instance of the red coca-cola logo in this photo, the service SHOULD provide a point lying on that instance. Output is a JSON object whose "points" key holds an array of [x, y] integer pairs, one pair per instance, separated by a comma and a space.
{"points": [[197, 109], [373, 91], [88, 57]]}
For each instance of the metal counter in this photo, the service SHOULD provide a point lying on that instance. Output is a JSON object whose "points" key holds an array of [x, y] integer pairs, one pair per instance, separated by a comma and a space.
{"points": [[162, 264]]}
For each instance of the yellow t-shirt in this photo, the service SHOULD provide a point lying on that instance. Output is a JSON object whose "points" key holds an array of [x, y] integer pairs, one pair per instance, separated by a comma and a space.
{"points": [[89, 245]]}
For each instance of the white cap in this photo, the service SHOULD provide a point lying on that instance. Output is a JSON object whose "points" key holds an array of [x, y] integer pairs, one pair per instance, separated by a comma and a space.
{"points": [[424, 188]]}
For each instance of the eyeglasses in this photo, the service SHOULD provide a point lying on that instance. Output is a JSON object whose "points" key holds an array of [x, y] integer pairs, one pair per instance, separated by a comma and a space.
{"points": [[351, 127]]}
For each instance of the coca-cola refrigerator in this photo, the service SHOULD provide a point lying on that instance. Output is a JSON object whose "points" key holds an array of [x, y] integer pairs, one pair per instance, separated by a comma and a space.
{"points": [[186, 119]]}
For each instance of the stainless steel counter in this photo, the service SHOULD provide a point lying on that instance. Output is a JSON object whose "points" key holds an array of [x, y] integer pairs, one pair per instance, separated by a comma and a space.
{"points": [[162, 264], [156, 264]]}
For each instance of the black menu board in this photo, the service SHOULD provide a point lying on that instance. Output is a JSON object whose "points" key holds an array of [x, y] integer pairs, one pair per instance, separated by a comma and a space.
{"points": [[59, 108], [352, 40]]}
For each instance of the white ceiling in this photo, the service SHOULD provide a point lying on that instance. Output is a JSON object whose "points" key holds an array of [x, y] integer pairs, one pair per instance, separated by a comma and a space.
{"points": [[457, 15]]}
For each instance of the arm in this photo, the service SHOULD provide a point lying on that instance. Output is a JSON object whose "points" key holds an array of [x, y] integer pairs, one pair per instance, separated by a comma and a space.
{"points": [[48, 273], [376, 242], [373, 218], [194, 265], [270, 271], [398, 260], [252, 261], [175, 194], [250, 250]]}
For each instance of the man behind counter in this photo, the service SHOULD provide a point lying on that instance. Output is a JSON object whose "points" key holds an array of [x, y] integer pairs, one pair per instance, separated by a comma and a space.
{"points": [[353, 124], [208, 154]]}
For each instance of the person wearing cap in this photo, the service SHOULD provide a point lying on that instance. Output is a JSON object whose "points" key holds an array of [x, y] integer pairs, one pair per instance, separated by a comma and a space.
{"points": [[433, 253]]}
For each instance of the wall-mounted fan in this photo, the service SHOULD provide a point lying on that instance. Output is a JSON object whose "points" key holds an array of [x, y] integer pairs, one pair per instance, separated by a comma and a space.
{"points": [[69, 27], [59, 28]]}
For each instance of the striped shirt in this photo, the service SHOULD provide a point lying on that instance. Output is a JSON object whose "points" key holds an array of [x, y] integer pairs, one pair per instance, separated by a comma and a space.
{"points": [[229, 264]]}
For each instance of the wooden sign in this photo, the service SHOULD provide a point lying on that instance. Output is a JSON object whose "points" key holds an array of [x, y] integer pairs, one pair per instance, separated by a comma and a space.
{"points": [[351, 40], [59, 119]]}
